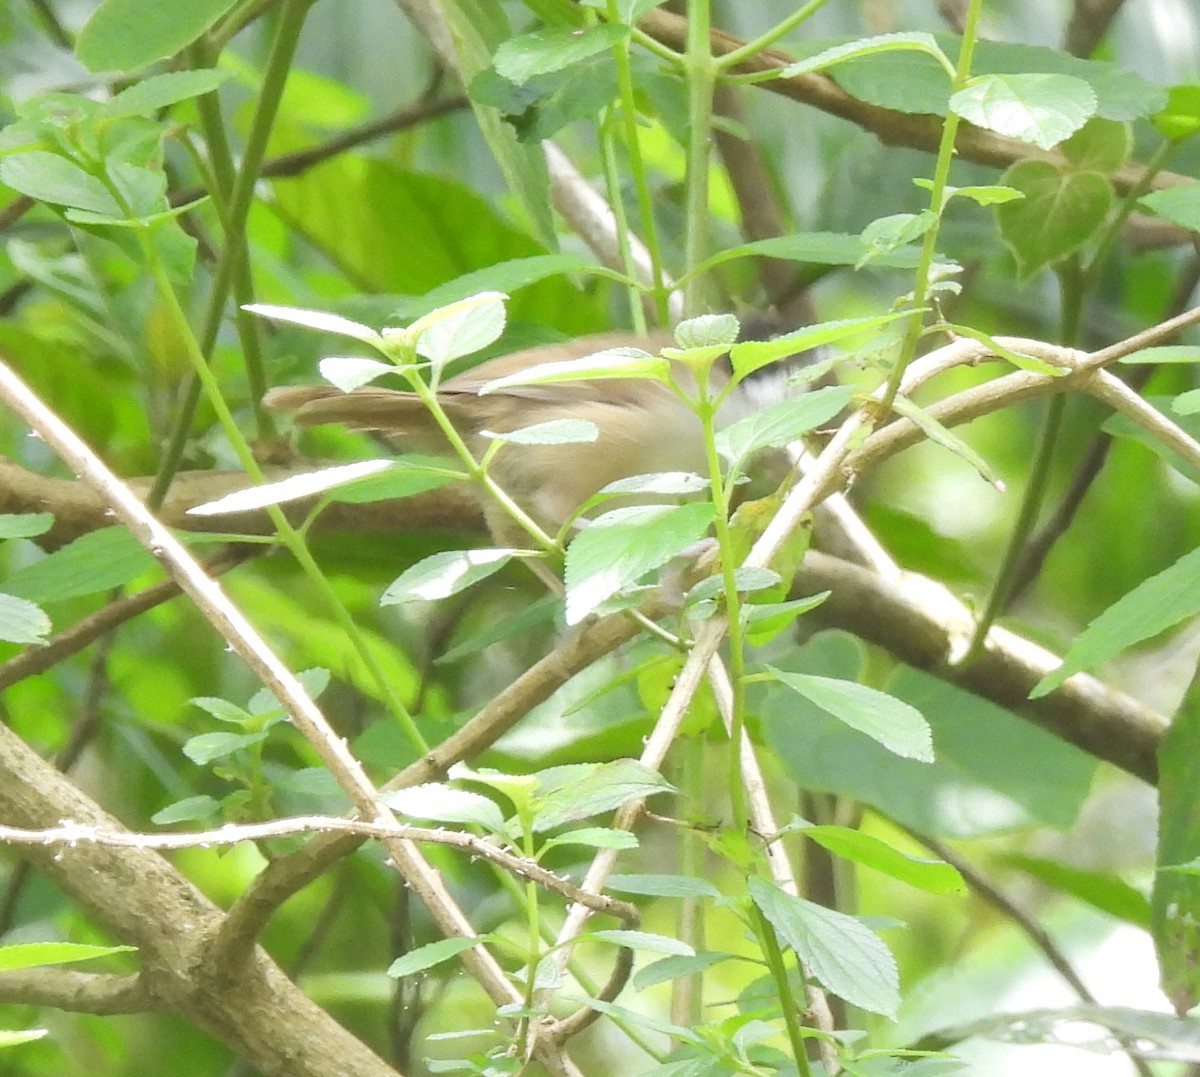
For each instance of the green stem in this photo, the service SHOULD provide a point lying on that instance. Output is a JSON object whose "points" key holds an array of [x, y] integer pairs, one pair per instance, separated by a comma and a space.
{"points": [[241, 193], [1045, 452], [687, 992], [476, 470], [612, 181], [721, 487], [637, 166], [765, 40], [700, 72], [941, 173], [769, 945]]}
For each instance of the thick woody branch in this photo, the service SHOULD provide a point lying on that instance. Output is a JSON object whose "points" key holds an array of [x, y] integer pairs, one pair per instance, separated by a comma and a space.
{"points": [[141, 899], [77, 992]]}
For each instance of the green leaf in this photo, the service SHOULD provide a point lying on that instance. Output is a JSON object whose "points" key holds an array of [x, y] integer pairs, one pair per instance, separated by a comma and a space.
{"points": [[1101, 890], [707, 330], [445, 804], [897, 725], [671, 886], [49, 177], [912, 82], [994, 771], [1042, 109], [123, 35], [188, 810], [477, 28], [521, 58], [15, 1039], [317, 319], [947, 439], [551, 432], [1175, 897], [292, 488], [1059, 213], [521, 789], [645, 941], [206, 748], [1164, 353], [595, 837], [656, 484], [507, 276], [1186, 403], [349, 372], [611, 363], [1179, 205], [1018, 359], [408, 475], [25, 955], [814, 248], [159, 91], [675, 968], [935, 876], [444, 574], [434, 953], [1099, 146], [94, 562], [847, 957], [21, 621], [1152, 607], [1179, 118], [619, 548], [886, 234], [781, 423], [223, 710], [461, 328], [603, 788], [990, 195], [25, 524], [754, 354], [545, 104], [871, 46], [764, 622], [1142, 1033]]}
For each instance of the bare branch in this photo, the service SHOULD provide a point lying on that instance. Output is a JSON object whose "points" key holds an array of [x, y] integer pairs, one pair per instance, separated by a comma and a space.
{"points": [[78, 992], [233, 834]]}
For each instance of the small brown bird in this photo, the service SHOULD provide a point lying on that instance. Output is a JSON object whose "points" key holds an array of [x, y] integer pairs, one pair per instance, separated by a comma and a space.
{"points": [[642, 425]]}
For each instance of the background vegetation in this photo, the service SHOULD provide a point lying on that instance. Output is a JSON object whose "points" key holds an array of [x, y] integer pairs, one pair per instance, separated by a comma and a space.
{"points": [[989, 170]]}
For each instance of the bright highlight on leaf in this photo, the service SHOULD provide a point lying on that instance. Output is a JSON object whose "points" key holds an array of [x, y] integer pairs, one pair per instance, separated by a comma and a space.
{"points": [[290, 489], [445, 574], [317, 319], [1037, 108], [614, 363]]}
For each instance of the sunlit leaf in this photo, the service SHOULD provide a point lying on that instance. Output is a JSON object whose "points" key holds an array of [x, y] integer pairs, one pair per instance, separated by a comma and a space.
{"points": [[1038, 108], [444, 574], [618, 549], [21, 621], [317, 319], [445, 804], [290, 489]]}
